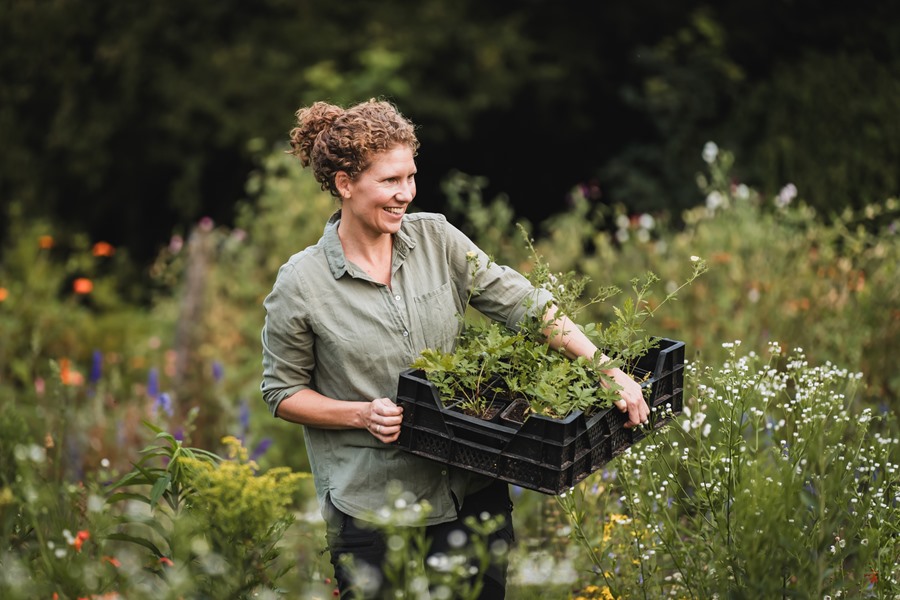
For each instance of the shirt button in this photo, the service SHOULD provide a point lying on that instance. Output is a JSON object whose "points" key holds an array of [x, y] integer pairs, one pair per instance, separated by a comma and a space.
{"points": [[397, 297], [405, 334], [443, 472]]}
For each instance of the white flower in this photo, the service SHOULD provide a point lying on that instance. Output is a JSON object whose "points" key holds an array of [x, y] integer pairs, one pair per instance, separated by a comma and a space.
{"points": [[714, 200], [710, 152], [786, 195]]}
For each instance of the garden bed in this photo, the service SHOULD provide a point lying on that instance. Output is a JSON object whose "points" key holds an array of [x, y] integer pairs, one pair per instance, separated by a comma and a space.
{"points": [[542, 454]]}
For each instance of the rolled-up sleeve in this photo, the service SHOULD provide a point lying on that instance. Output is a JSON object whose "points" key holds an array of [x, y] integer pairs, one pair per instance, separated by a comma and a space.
{"points": [[287, 340], [501, 293]]}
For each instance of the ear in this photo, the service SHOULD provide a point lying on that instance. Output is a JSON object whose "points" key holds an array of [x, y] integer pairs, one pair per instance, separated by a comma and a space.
{"points": [[342, 183]]}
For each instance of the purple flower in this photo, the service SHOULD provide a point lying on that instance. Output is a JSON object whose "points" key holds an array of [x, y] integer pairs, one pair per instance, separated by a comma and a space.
{"points": [[164, 403], [153, 383], [217, 371], [96, 367], [261, 448], [244, 421]]}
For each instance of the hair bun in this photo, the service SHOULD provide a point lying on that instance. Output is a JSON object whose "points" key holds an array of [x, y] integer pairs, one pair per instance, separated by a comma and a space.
{"points": [[311, 121]]}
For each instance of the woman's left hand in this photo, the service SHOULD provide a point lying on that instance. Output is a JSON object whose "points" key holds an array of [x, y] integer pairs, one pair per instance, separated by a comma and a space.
{"points": [[632, 399]]}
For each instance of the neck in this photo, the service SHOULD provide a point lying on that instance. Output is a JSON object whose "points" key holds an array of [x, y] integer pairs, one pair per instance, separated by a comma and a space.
{"points": [[365, 248], [372, 254]]}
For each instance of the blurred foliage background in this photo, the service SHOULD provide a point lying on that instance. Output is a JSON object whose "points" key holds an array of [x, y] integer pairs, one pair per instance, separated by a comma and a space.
{"points": [[126, 120], [146, 204]]}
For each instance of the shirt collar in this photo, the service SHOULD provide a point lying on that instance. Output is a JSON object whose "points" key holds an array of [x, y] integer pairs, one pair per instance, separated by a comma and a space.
{"points": [[334, 252]]}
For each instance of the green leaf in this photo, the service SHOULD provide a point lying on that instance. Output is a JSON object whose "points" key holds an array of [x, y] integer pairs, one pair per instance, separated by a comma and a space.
{"points": [[124, 537], [120, 496], [159, 489]]}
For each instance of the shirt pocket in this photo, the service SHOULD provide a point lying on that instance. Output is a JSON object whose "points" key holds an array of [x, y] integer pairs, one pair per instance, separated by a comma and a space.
{"points": [[436, 313]]}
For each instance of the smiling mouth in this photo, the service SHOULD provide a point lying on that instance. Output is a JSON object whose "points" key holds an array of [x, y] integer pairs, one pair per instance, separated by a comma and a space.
{"points": [[393, 210]]}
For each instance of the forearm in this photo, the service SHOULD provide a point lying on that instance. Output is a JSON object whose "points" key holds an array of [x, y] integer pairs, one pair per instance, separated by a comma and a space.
{"points": [[380, 417], [308, 407], [564, 335]]}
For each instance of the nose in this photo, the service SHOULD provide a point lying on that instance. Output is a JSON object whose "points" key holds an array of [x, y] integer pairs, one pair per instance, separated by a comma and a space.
{"points": [[406, 192]]}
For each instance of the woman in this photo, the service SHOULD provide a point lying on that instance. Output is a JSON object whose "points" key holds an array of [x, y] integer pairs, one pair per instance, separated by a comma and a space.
{"points": [[347, 314]]}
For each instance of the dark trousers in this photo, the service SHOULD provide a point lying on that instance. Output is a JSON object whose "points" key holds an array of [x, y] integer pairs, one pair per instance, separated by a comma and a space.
{"points": [[365, 547]]}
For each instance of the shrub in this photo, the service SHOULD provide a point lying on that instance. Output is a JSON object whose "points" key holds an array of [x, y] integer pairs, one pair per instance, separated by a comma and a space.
{"points": [[773, 483]]}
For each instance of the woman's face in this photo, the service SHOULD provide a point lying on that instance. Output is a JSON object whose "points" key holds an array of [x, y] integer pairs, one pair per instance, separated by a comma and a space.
{"points": [[376, 200]]}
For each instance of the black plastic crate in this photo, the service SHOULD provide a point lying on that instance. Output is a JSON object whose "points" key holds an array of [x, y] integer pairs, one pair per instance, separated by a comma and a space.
{"points": [[542, 454]]}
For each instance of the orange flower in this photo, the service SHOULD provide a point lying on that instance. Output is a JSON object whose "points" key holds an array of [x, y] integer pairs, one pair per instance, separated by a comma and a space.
{"points": [[872, 576], [112, 560], [80, 538], [83, 285], [165, 560], [68, 375], [45, 242], [103, 249], [4, 294]]}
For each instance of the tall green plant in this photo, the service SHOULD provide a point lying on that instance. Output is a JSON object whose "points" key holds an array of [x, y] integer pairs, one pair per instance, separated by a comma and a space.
{"points": [[211, 525], [775, 484]]}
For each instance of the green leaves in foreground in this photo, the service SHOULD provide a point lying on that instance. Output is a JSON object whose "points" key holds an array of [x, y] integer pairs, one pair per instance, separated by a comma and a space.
{"points": [[211, 525]]}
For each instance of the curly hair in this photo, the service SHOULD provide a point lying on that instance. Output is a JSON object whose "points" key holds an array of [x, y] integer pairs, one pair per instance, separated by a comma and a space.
{"points": [[332, 139]]}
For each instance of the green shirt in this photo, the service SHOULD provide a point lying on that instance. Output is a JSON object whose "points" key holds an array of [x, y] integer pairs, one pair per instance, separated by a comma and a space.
{"points": [[329, 327]]}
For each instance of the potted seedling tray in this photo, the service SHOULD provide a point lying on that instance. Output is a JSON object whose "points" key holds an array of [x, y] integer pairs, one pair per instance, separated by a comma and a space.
{"points": [[542, 454]]}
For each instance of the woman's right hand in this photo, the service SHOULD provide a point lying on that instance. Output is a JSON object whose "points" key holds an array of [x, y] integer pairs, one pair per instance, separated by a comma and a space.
{"points": [[383, 419]]}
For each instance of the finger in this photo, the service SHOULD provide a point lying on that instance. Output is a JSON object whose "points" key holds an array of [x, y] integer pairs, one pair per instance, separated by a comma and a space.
{"points": [[384, 407], [392, 421], [638, 413]]}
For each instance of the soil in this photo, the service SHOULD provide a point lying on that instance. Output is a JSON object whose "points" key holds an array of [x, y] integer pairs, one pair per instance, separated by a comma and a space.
{"points": [[517, 411], [490, 413], [487, 414]]}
